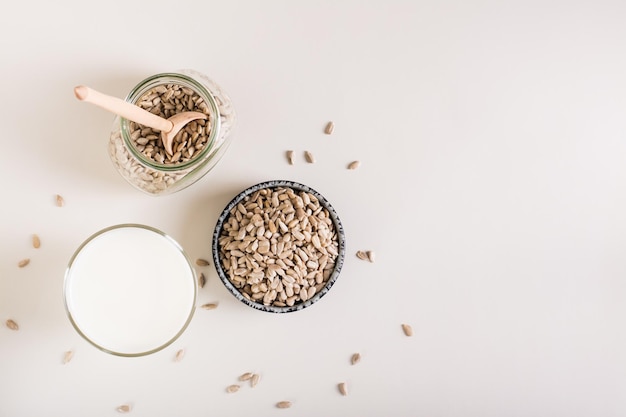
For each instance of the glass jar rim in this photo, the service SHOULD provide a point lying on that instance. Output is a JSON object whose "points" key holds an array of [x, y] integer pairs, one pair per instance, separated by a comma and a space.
{"points": [[175, 78]]}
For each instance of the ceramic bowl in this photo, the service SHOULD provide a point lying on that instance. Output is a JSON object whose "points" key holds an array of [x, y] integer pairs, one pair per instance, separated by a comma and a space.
{"points": [[238, 293]]}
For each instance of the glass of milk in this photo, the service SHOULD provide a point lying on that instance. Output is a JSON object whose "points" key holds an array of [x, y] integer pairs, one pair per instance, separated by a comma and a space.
{"points": [[130, 290]]}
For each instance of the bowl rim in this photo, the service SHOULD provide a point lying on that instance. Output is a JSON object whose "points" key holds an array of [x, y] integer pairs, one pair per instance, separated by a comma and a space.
{"points": [[341, 240]]}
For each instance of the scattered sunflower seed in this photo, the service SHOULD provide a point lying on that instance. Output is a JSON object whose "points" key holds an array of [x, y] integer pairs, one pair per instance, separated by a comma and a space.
{"points": [[209, 306], [283, 404], [202, 262], [246, 376], [343, 389], [407, 330], [370, 256], [232, 388], [11, 324], [356, 358], [254, 380], [23, 263], [59, 201], [36, 242], [125, 408], [290, 157], [201, 280], [68, 356], [309, 157], [354, 165], [179, 355], [330, 126], [362, 255]]}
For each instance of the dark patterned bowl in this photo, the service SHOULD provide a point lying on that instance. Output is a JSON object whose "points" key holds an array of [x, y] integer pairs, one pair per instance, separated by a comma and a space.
{"points": [[239, 293]]}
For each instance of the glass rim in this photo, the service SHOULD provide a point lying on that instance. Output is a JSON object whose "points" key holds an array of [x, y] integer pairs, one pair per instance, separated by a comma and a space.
{"points": [[206, 95], [67, 278]]}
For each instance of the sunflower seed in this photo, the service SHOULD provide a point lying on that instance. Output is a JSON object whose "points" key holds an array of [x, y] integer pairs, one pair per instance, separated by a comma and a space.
{"points": [[309, 157], [232, 388], [370, 256], [36, 242], [290, 157], [59, 201], [201, 280], [209, 306], [11, 324], [354, 165], [254, 380], [125, 408], [283, 404], [179, 355], [356, 358], [23, 263], [362, 255], [68, 356], [202, 262], [343, 389], [246, 376], [407, 330], [330, 126]]}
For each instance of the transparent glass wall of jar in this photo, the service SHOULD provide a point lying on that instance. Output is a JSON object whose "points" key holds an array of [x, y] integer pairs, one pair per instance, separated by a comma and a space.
{"points": [[151, 175]]}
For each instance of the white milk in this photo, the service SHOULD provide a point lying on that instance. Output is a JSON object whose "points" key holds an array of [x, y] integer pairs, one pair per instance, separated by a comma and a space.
{"points": [[130, 290]]}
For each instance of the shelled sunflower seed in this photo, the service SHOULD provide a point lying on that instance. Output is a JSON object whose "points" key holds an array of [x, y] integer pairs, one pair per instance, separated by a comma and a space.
{"points": [[67, 356], [209, 306], [36, 242], [124, 408], [354, 165], [202, 262], [278, 246], [201, 280], [254, 380], [356, 358], [309, 157], [343, 388], [407, 329], [283, 404], [11, 324], [330, 126], [166, 100], [232, 388], [179, 355], [60, 202], [290, 157], [23, 263]]}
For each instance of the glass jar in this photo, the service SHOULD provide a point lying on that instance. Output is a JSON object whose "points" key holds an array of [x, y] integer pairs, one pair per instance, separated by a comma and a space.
{"points": [[136, 150]]}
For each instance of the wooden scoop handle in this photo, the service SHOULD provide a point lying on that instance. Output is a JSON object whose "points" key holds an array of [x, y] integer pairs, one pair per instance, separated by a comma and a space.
{"points": [[122, 108]]}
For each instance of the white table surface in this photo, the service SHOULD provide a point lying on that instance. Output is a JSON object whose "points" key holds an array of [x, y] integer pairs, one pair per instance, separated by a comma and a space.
{"points": [[492, 187]]}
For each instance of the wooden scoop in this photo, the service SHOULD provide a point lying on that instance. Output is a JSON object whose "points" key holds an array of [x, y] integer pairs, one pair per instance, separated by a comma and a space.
{"points": [[168, 127]]}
